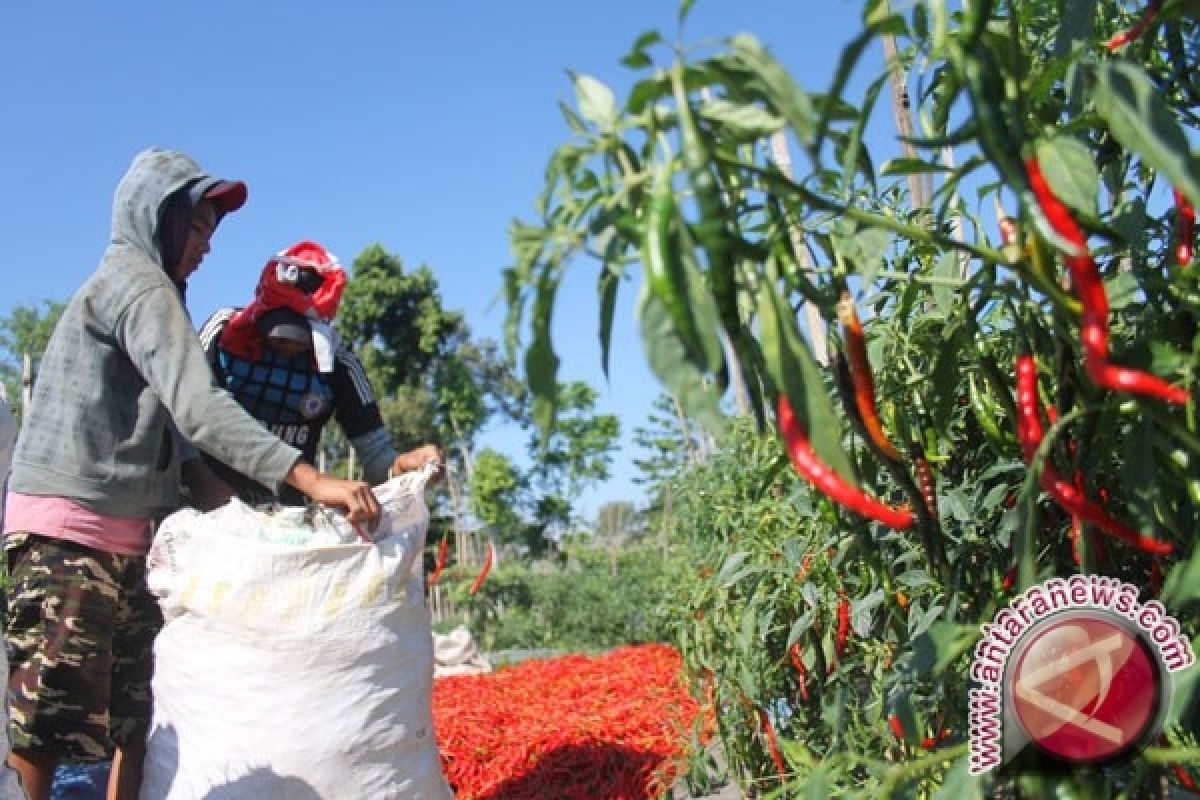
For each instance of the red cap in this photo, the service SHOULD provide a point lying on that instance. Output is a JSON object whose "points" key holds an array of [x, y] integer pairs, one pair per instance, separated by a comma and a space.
{"points": [[225, 195]]}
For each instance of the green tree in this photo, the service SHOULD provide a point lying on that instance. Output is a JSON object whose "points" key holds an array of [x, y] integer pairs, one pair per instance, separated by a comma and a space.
{"points": [[396, 320], [667, 443], [495, 494], [574, 455], [433, 381], [25, 332]]}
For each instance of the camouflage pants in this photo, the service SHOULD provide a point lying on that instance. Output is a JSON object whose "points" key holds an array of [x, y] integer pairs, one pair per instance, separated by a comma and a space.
{"points": [[80, 634]]}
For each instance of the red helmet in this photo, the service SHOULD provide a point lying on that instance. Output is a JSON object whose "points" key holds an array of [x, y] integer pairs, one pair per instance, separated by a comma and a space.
{"points": [[306, 278]]}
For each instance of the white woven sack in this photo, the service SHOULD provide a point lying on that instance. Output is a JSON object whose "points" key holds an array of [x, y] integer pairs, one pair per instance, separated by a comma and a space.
{"points": [[455, 653], [289, 671]]}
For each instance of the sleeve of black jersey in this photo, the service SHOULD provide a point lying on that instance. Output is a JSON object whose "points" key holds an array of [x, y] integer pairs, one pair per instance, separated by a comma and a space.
{"points": [[210, 335], [354, 403]]}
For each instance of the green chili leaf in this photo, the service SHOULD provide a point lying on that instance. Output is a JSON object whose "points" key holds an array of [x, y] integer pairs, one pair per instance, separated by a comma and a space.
{"points": [[1133, 108], [794, 372], [668, 359], [596, 101], [1070, 169]]}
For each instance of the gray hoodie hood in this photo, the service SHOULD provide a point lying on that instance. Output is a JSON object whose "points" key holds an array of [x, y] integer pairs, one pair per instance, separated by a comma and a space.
{"points": [[154, 175]]}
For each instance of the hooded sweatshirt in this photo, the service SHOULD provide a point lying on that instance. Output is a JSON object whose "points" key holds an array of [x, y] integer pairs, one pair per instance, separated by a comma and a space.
{"points": [[124, 363]]}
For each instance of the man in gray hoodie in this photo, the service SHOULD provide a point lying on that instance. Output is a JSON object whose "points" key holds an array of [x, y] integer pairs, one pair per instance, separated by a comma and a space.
{"points": [[97, 462]]}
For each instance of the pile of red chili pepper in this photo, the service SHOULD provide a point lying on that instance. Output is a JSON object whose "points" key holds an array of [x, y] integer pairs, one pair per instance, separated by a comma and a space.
{"points": [[611, 727]]}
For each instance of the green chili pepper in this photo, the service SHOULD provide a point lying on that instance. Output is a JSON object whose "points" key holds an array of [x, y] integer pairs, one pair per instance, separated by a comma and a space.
{"points": [[712, 229], [661, 262], [985, 415]]}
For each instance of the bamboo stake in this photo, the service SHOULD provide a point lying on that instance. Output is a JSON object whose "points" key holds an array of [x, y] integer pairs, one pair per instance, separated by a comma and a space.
{"points": [[918, 185], [26, 383], [812, 314]]}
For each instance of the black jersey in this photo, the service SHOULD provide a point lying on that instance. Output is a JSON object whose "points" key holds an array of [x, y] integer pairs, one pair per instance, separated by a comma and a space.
{"points": [[292, 399]]}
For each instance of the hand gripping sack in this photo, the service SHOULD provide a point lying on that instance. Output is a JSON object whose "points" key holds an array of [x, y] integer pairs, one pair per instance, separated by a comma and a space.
{"points": [[293, 671]]}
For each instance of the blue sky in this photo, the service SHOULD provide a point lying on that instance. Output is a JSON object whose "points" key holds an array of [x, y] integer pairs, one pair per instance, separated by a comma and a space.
{"points": [[422, 126]]}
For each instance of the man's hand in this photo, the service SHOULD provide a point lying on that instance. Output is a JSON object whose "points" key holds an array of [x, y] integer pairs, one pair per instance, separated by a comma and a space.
{"points": [[418, 458], [355, 498]]}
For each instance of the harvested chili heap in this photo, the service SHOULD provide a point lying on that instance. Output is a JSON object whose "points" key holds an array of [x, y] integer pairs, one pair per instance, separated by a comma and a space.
{"points": [[611, 727]]}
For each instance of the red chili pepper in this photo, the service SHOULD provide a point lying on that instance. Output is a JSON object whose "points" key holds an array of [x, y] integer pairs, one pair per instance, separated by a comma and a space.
{"points": [[805, 566], [1184, 778], [843, 627], [897, 726], [1010, 578], [822, 476], [1030, 434], [565, 727], [928, 743], [925, 481], [860, 374], [1089, 287], [768, 730], [443, 552], [483, 571], [801, 670], [1185, 228], [1135, 32]]}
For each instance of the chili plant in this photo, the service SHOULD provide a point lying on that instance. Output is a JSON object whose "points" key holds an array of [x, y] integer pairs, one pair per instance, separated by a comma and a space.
{"points": [[1048, 274]]}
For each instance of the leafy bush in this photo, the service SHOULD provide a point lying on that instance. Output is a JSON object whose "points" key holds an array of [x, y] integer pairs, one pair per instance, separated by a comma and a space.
{"points": [[596, 601]]}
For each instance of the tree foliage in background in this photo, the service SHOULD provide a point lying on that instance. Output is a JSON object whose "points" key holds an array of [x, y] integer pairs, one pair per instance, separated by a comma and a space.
{"points": [[667, 444], [495, 495], [681, 182], [573, 456], [585, 606], [26, 331]]}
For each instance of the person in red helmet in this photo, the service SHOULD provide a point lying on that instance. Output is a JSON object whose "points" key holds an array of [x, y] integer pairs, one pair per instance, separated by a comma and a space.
{"points": [[282, 360]]}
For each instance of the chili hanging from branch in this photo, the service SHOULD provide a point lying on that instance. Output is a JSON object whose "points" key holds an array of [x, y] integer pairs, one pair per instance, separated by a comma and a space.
{"points": [[483, 571], [860, 374], [1185, 228], [843, 627], [764, 722], [1030, 433], [1134, 32], [1090, 289], [828, 482], [801, 670], [443, 553]]}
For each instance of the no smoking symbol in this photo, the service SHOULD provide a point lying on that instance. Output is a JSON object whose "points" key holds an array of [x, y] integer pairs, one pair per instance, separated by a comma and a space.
{"points": [[1085, 688]]}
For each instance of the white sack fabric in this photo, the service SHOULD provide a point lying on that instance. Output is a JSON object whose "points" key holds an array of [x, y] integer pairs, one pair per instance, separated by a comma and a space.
{"points": [[455, 653], [293, 671]]}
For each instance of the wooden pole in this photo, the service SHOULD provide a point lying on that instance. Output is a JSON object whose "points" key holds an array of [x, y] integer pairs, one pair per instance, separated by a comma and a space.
{"points": [[26, 382], [812, 314], [918, 185]]}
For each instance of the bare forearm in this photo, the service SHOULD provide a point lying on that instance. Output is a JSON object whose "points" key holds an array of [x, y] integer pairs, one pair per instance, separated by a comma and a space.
{"points": [[353, 497], [207, 490]]}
